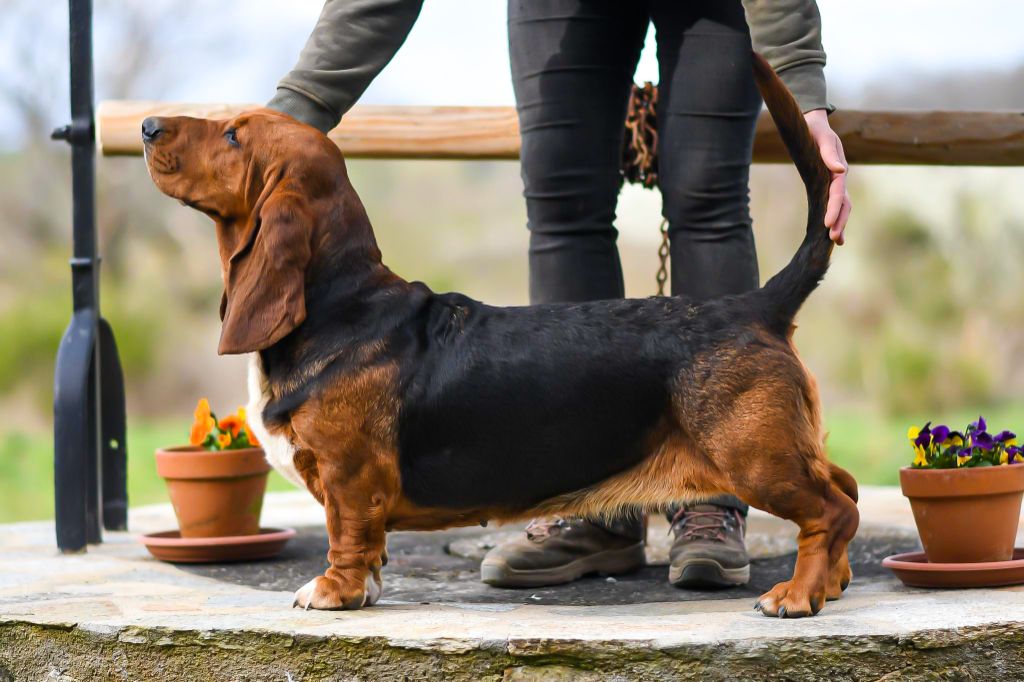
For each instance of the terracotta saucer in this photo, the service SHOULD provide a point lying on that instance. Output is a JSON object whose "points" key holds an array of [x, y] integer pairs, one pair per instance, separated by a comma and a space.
{"points": [[914, 570], [170, 546]]}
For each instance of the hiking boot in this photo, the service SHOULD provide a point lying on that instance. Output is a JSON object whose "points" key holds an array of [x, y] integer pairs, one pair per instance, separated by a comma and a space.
{"points": [[557, 550], [708, 550]]}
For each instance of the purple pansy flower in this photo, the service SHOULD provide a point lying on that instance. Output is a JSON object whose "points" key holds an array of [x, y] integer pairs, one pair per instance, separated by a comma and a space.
{"points": [[975, 446], [940, 433], [925, 437], [982, 440]]}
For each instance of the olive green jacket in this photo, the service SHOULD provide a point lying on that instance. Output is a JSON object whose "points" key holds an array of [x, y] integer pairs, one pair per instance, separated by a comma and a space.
{"points": [[355, 39]]}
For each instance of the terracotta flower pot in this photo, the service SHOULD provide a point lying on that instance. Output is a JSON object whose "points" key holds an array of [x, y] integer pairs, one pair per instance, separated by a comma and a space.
{"points": [[965, 515], [215, 494]]}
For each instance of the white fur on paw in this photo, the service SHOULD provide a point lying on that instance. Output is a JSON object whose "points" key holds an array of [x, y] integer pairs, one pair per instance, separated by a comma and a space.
{"points": [[304, 595], [372, 589]]}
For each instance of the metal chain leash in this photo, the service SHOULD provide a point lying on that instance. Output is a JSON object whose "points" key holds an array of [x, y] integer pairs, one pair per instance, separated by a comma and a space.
{"points": [[640, 144], [662, 275], [640, 158]]}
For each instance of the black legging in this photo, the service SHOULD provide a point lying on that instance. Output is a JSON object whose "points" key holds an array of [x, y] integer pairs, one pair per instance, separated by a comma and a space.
{"points": [[572, 66]]}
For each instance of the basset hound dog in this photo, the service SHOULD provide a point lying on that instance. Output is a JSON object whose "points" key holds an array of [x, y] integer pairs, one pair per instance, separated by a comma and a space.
{"points": [[401, 408]]}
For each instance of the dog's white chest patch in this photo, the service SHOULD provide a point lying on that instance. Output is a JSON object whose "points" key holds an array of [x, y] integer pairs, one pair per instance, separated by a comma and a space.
{"points": [[279, 450]]}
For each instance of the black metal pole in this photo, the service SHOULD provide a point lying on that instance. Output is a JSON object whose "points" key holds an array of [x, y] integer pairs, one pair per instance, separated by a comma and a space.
{"points": [[88, 373], [113, 448]]}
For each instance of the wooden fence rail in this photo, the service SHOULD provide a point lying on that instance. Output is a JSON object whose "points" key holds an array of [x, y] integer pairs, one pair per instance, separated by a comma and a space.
{"points": [[414, 132]]}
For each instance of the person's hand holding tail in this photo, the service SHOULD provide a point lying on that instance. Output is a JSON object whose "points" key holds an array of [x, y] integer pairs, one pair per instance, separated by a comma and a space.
{"points": [[831, 148]]}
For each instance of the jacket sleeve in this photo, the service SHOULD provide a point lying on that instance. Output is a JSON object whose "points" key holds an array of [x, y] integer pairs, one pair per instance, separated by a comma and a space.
{"points": [[352, 42], [788, 34]]}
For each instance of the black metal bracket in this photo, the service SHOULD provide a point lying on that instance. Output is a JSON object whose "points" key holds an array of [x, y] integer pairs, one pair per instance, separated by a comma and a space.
{"points": [[90, 456], [82, 132]]}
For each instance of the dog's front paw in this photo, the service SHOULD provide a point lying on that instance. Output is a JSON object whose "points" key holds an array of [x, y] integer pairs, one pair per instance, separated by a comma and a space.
{"points": [[790, 600], [329, 594]]}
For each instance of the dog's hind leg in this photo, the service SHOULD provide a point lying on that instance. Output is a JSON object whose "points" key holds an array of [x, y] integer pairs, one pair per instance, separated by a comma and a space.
{"points": [[842, 573], [842, 478], [795, 484], [828, 520], [771, 449]]}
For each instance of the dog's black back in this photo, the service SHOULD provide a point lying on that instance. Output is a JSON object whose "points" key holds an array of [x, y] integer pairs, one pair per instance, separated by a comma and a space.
{"points": [[511, 406], [507, 407]]}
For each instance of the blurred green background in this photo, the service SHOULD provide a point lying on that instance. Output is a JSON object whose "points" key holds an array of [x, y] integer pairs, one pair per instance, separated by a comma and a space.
{"points": [[920, 317]]}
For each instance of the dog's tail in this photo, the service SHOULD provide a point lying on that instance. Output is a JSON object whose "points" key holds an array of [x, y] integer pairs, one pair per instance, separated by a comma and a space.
{"points": [[782, 296]]}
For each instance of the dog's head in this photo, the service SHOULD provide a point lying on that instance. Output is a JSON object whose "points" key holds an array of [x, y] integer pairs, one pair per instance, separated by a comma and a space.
{"points": [[273, 186]]}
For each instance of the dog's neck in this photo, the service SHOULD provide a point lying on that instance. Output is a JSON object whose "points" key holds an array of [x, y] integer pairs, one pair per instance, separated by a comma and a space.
{"points": [[351, 296], [346, 265]]}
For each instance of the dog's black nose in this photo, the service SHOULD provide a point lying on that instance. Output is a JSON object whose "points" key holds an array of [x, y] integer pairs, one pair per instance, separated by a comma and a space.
{"points": [[151, 129]]}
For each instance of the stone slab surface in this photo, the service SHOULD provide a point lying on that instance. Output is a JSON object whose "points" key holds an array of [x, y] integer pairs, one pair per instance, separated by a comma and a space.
{"points": [[423, 569], [116, 613]]}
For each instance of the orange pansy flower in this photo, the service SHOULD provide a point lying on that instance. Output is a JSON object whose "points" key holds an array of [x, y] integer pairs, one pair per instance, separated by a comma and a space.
{"points": [[198, 435], [203, 424], [202, 410], [224, 440], [232, 424], [245, 428], [200, 430], [252, 438]]}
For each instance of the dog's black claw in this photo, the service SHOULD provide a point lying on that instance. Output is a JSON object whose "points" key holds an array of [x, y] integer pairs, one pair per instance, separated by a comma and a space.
{"points": [[782, 612], [295, 604], [815, 605], [758, 606], [843, 585]]}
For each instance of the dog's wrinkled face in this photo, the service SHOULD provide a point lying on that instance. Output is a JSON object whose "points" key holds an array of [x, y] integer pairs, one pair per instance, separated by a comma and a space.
{"points": [[221, 167], [268, 183]]}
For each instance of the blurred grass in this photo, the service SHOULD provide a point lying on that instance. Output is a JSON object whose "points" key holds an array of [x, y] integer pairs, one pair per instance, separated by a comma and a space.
{"points": [[871, 446], [26, 469]]}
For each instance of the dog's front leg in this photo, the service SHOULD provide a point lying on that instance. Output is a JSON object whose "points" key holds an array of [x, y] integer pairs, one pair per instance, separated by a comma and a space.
{"points": [[305, 465], [355, 501]]}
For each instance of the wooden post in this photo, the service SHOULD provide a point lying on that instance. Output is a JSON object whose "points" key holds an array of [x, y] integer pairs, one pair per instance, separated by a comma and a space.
{"points": [[376, 132], [405, 132]]}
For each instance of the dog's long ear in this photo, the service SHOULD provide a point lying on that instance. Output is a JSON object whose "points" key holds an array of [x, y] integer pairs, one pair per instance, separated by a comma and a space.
{"points": [[264, 283]]}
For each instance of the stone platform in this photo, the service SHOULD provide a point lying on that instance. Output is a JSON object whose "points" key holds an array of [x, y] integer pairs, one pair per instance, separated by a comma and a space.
{"points": [[116, 613]]}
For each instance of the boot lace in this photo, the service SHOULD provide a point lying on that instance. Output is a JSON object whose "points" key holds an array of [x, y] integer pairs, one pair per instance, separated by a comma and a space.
{"points": [[539, 530], [691, 524]]}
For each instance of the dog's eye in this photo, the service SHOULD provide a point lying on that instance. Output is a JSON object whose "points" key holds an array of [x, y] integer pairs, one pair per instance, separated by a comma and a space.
{"points": [[232, 138]]}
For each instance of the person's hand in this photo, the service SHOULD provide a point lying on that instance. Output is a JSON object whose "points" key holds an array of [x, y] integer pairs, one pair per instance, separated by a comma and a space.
{"points": [[837, 212]]}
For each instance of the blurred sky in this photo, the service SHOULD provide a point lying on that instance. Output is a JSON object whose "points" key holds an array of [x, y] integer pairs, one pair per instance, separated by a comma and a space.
{"points": [[865, 40], [236, 50], [457, 51]]}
